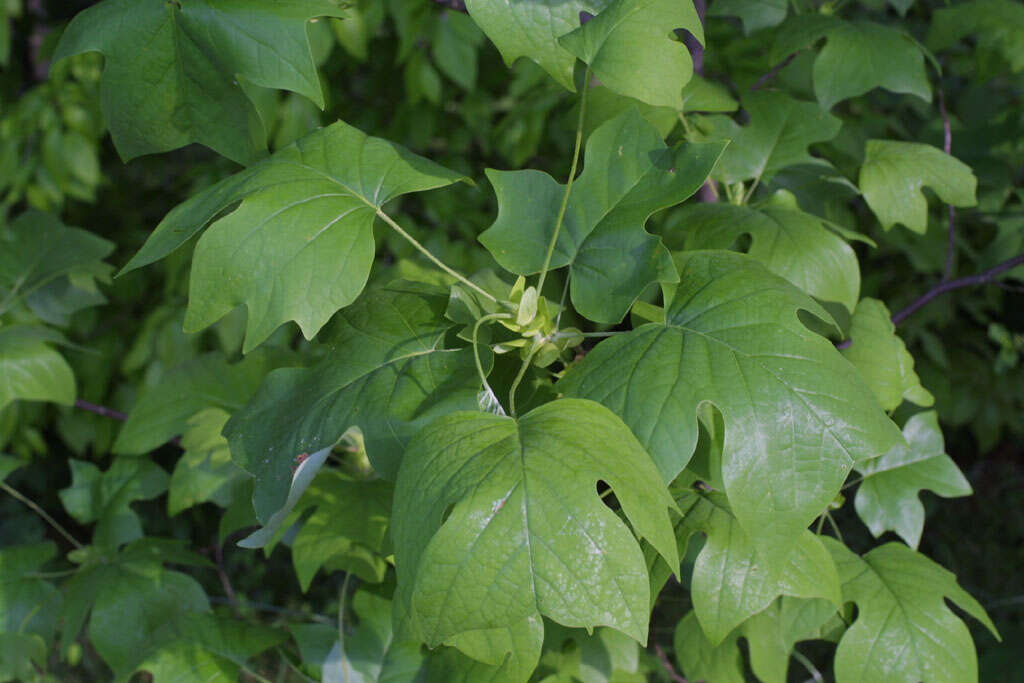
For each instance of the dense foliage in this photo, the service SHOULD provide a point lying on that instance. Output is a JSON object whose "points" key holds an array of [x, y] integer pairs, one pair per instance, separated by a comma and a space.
{"points": [[574, 340]]}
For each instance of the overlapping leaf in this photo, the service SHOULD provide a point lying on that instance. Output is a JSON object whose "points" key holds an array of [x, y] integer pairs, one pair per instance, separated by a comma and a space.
{"points": [[797, 415], [172, 69], [30, 370], [904, 630], [204, 472], [631, 32], [778, 135], [888, 494], [388, 373], [997, 24], [629, 175], [29, 608], [36, 248], [300, 245], [732, 581], [528, 28], [527, 534], [858, 56], [882, 357], [893, 174], [789, 242]]}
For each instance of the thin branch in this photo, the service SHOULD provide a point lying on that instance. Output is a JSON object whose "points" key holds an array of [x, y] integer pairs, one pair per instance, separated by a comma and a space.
{"points": [[225, 581], [982, 278], [456, 5], [41, 512], [101, 410], [947, 147], [773, 72], [672, 673]]}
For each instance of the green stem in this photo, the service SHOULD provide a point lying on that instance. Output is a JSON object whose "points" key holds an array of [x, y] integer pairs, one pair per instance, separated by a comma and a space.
{"points": [[436, 261], [476, 353], [522, 372], [42, 513], [568, 185]]}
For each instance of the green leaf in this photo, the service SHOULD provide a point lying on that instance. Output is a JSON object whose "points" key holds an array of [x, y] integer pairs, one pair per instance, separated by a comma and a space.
{"points": [[701, 94], [501, 655], [527, 534], [32, 371], [893, 174], [771, 634], [455, 45], [28, 603], [388, 373], [106, 497], [204, 472], [300, 245], [888, 494], [904, 630], [369, 653], [882, 358], [172, 70], [700, 660], [36, 248], [164, 409], [171, 631], [778, 135], [631, 32], [790, 243], [755, 14], [281, 520], [858, 57], [997, 24], [527, 28], [8, 464], [732, 581], [599, 657], [629, 175], [345, 530], [797, 415]]}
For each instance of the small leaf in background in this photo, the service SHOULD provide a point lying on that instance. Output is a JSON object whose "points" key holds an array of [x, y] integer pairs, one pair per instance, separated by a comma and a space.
{"points": [[882, 358], [628, 32], [629, 174], [36, 248], [164, 409], [506, 654], [171, 69], [780, 130], [388, 373], [790, 243], [455, 47], [755, 14], [604, 655], [894, 172], [532, 29], [700, 660], [30, 370], [300, 245], [526, 524], [996, 25], [204, 472], [903, 629], [106, 497], [732, 337], [29, 609], [888, 493], [369, 653]]}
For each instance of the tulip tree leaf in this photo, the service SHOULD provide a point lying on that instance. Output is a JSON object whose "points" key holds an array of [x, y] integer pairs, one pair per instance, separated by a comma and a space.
{"points": [[997, 24], [527, 534], [882, 357], [388, 373], [894, 172], [36, 248], [700, 660], [629, 175], [527, 28], [888, 494], [204, 472], [787, 397], [778, 135], [30, 370], [172, 69], [732, 582], [631, 32], [904, 631], [755, 14], [858, 56], [790, 243], [501, 655], [300, 245]]}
